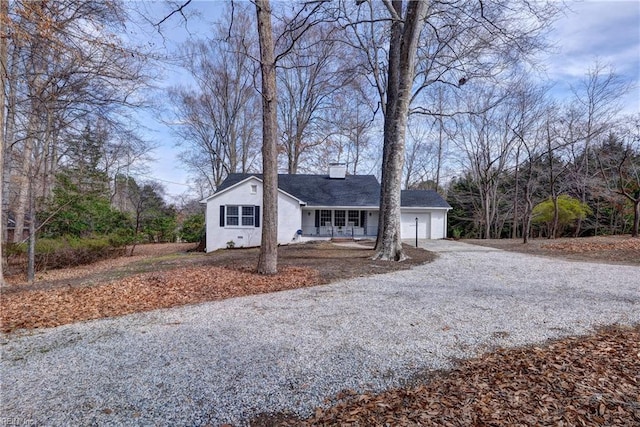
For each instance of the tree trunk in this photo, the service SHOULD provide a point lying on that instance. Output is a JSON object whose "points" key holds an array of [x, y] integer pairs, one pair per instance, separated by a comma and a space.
{"points": [[487, 215], [23, 179], [389, 112], [4, 12], [402, 56], [553, 232], [514, 229], [635, 232], [31, 252], [440, 140], [268, 258], [526, 232]]}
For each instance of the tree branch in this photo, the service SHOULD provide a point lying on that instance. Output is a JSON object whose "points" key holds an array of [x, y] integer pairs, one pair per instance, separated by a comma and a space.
{"points": [[173, 12]]}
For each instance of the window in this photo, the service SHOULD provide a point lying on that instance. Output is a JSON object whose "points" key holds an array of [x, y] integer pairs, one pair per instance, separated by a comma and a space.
{"points": [[254, 188], [340, 219], [241, 215], [232, 215], [354, 218], [247, 216], [325, 218]]}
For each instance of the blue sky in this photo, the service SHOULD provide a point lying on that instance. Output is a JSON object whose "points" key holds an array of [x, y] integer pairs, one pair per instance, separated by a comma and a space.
{"points": [[605, 30]]}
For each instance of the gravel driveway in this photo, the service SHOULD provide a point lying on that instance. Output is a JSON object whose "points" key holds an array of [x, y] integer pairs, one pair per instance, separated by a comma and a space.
{"points": [[227, 361]]}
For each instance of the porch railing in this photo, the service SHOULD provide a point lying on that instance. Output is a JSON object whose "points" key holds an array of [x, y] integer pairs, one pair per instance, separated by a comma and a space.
{"points": [[336, 231]]}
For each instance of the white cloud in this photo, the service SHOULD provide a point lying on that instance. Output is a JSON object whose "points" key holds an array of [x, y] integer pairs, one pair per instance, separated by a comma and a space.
{"points": [[603, 31], [609, 30]]}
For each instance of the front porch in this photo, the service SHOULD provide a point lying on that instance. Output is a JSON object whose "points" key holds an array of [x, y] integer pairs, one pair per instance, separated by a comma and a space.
{"points": [[337, 223]]}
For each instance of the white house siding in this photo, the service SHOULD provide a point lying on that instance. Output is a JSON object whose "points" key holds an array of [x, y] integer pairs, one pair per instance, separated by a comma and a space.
{"points": [[308, 220], [438, 224], [372, 222], [408, 225], [289, 217], [431, 223]]}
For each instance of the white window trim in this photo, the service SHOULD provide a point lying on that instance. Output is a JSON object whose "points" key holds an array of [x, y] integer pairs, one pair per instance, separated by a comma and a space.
{"points": [[239, 216]]}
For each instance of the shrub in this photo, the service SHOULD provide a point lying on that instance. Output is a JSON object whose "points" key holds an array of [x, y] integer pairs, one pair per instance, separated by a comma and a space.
{"points": [[570, 210], [67, 251], [121, 238], [193, 228]]}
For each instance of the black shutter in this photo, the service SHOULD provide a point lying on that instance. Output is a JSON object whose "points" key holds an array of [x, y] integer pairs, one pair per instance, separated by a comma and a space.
{"points": [[256, 211], [363, 217], [221, 215], [317, 218]]}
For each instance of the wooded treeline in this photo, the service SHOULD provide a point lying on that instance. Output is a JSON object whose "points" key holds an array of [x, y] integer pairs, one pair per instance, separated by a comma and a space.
{"points": [[71, 82], [532, 165]]}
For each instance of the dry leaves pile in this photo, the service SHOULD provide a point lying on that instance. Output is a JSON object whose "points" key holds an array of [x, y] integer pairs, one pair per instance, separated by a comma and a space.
{"points": [[142, 292], [599, 249], [593, 245], [584, 381]]}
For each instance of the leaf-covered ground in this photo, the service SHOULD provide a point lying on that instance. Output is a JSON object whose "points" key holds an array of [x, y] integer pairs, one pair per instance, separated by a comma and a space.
{"points": [[602, 249], [163, 276], [584, 381], [142, 292]]}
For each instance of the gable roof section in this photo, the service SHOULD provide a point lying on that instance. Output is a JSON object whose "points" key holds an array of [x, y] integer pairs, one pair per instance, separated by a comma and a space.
{"points": [[353, 190], [422, 198], [320, 190], [245, 178]]}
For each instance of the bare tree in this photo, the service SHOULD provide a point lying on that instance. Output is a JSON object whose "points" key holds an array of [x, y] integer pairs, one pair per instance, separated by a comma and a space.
{"points": [[268, 258], [461, 41], [65, 68], [405, 33], [529, 105], [486, 142], [4, 16], [619, 165], [591, 113], [215, 119], [421, 151], [310, 77]]}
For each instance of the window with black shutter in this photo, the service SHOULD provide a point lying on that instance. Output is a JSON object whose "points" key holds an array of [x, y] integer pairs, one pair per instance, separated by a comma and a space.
{"points": [[240, 216]]}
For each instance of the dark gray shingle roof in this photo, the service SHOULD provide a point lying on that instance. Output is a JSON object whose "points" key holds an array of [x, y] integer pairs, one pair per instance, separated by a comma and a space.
{"points": [[353, 190], [320, 190], [422, 198]]}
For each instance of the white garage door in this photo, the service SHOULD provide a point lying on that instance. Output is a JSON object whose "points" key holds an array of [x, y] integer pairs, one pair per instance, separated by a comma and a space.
{"points": [[408, 225]]}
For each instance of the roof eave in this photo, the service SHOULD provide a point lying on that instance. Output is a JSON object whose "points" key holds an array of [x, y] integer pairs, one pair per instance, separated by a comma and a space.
{"points": [[217, 193]]}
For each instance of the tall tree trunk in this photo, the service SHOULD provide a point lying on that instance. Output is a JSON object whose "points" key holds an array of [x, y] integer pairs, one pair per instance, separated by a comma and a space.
{"points": [[553, 233], [402, 57], [31, 252], [440, 139], [4, 16], [514, 229], [9, 133], [487, 214], [23, 179], [635, 232], [526, 223], [389, 113], [268, 258]]}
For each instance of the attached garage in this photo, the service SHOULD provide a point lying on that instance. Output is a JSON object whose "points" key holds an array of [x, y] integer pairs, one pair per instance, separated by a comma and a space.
{"points": [[408, 225], [431, 211]]}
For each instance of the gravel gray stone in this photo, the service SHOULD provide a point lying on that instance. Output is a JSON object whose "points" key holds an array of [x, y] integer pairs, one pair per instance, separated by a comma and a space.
{"points": [[226, 361]]}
